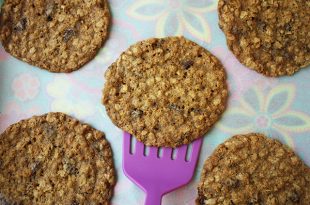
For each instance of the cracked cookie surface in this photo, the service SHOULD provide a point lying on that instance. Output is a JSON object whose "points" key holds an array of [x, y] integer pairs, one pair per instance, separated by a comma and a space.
{"points": [[271, 37], [166, 92], [56, 35], [253, 169], [55, 159]]}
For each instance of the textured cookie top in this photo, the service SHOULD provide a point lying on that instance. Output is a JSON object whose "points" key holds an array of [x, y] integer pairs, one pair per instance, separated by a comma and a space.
{"points": [[166, 92], [56, 35], [271, 36], [254, 170], [55, 159]]}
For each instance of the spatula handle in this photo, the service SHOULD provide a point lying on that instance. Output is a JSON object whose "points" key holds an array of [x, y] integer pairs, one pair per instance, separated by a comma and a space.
{"points": [[153, 198]]}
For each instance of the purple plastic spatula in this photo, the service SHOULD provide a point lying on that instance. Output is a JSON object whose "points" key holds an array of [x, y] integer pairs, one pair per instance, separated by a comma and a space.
{"points": [[156, 173]]}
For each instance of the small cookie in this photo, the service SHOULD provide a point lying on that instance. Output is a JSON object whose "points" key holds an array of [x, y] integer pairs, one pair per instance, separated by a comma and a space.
{"points": [[55, 159], [56, 35], [166, 92], [271, 37], [253, 169]]}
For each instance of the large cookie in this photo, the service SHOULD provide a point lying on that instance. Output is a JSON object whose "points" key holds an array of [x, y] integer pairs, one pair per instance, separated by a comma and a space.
{"points": [[166, 92], [56, 35], [270, 36], [55, 159], [254, 170]]}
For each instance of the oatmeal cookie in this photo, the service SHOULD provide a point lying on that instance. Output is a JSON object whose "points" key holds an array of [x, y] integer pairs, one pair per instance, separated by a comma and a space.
{"points": [[166, 92], [271, 37], [56, 35], [253, 169], [55, 159]]}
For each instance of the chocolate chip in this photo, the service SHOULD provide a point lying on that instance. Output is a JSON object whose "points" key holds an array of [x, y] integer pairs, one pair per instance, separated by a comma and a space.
{"points": [[232, 183], [288, 27], [35, 167], [196, 110], [136, 113], [220, 26], [294, 197], [68, 34], [74, 202], [49, 10], [183, 138], [307, 48], [254, 200], [21, 25], [3, 201], [49, 130], [156, 128], [70, 167], [287, 55], [49, 18], [274, 52], [187, 64], [235, 30], [158, 43], [201, 200], [174, 107], [261, 25]]}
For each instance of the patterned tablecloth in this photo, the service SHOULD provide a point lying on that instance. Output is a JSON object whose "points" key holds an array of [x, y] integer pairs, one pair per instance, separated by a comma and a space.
{"points": [[277, 107]]}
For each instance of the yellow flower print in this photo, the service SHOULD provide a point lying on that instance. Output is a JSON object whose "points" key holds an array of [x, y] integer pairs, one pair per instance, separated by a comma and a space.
{"points": [[174, 17], [270, 113]]}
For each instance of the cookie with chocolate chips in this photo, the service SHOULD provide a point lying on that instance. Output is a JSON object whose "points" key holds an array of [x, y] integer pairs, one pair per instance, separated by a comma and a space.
{"points": [[254, 170], [271, 37], [55, 159], [166, 92], [56, 35]]}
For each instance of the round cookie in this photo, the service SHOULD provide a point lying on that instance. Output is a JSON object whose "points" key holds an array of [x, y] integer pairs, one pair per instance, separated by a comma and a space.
{"points": [[55, 159], [253, 169], [56, 35], [166, 92], [271, 37]]}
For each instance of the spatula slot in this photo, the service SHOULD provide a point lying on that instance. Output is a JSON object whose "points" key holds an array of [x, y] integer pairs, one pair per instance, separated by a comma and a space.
{"points": [[160, 152], [174, 154], [132, 145], [146, 151], [189, 153]]}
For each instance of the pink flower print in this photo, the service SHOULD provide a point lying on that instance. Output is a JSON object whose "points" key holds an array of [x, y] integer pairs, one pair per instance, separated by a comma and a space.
{"points": [[269, 111], [263, 121], [26, 86], [3, 54], [175, 17], [240, 77], [13, 113]]}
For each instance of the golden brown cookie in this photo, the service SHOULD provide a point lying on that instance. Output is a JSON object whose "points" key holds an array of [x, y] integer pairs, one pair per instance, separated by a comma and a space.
{"points": [[271, 37], [166, 92], [56, 35], [55, 159], [254, 170]]}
